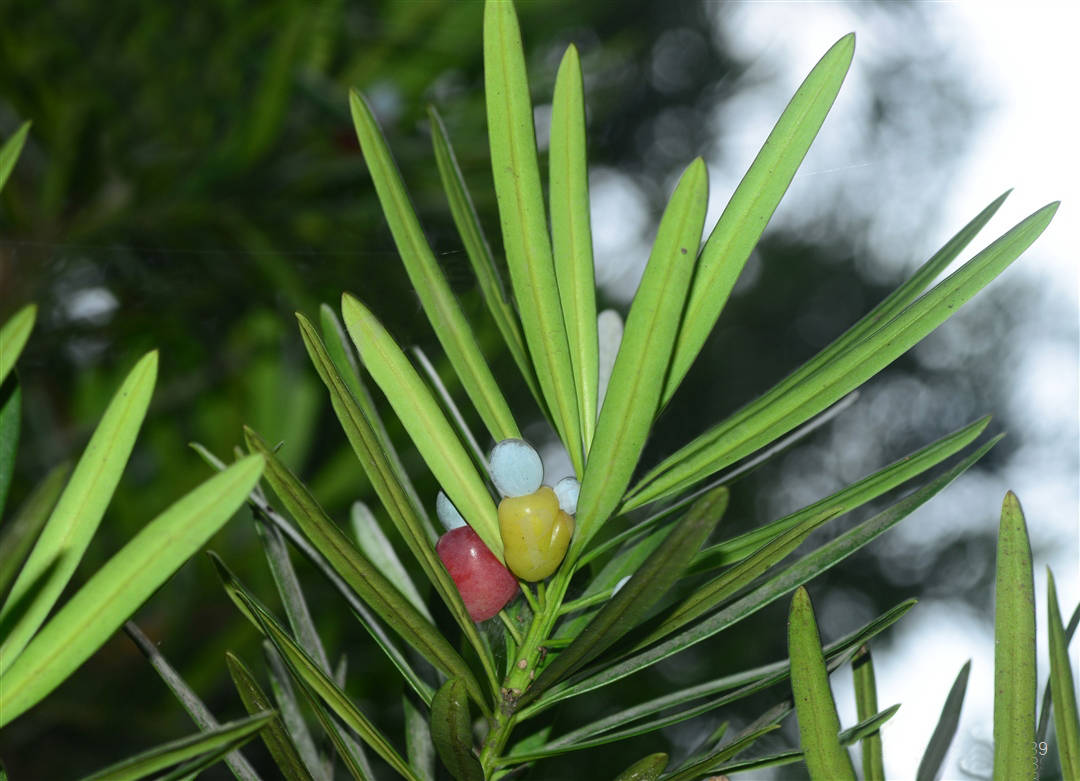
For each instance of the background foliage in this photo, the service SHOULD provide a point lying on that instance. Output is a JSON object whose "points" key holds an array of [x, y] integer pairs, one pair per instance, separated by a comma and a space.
{"points": [[192, 177]]}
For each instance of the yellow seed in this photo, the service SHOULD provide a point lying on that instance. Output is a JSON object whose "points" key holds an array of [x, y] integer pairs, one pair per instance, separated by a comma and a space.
{"points": [[535, 533]]}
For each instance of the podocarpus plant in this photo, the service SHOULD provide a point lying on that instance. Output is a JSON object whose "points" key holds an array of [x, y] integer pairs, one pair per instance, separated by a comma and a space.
{"points": [[641, 579]]}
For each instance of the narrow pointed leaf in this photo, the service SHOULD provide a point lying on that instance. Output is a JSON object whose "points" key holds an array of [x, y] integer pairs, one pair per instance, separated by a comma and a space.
{"points": [[945, 731], [720, 589], [782, 583], [361, 575], [122, 584], [307, 671], [78, 512], [753, 203], [844, 501], [186, 696], [22, 531], [479, 252], [1047, 698], [376, 546], [1066, 717], [429, 429], [227, 737], [291, 715], [571, 234], [655, 576], [819, 724], [13, 336], [292, 595], [633, 394], [516, 174], [1014, 646], [862, 670], [645, 769], [442, 308], [837, 372], [9, 154], [761, 726], [273, 734], [367, 436], [451, 731], [10, 422]]}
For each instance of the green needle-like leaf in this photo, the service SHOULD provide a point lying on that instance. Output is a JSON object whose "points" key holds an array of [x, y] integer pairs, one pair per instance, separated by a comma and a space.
{"points": [[795, 574], [633, 393], [367, 436], [862, 669], [10, 422], [1048, 697], [274, 736], [571, 234], [453, 330], [945, 731], [422, 418], [479, 252], [647, 585], [1066, 718], [361, 575], [188, 699], [13, 336], [753, 203], [854, 496], [224, 739], [451, 731], [645, 769], [22, 531], [1014, 646], [516, 174], [77, 513], [899, 323], [419, 748], [122, 584], [9, 154], [306, 670], [819, 725]]}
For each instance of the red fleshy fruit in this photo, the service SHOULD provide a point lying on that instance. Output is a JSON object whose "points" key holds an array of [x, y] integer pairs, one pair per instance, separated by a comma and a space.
{"points": [[484, 583]]}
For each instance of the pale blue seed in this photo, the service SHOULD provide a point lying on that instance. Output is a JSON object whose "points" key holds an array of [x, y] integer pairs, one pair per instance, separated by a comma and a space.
{"points": [[449, 516], [516, 468], [567, 490]]}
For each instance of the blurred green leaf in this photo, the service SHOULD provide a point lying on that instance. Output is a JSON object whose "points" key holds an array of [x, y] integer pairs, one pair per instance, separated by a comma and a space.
{"points": [[442, 309], [571, 235], [819, 724], [835, 372], [10, 421], [451, 731], [122, 584], [1014, 646], [945, 731], [752, 205], [479, 252], [78, 512], [361, 575], [633, 393], [862, 671], [647, 585], [273, 734], [1066, 717], [21, 533], [9, 155], [226, 738], [376, 546], [14, 333], [516, 174], [292, 716], [419, 748]]}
